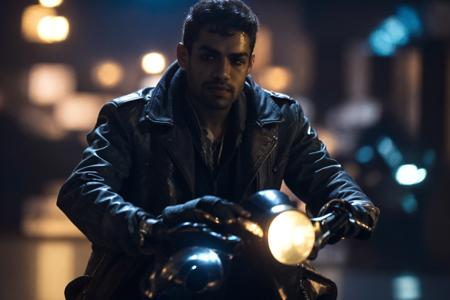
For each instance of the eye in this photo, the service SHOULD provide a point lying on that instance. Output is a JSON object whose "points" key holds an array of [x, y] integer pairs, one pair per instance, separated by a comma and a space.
{"points": [[207, 57], [238, 61]]}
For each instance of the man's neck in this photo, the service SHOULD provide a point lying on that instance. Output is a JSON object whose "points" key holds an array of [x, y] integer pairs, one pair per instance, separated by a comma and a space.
{"points": [[213, 120]]}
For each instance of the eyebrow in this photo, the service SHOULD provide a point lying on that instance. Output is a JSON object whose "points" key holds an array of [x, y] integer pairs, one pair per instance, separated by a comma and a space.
{"points": [[212, 50]]}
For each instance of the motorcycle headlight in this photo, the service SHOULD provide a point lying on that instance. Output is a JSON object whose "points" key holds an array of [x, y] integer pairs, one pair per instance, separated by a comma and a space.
{"points": [[291, 237], [288, 233]]}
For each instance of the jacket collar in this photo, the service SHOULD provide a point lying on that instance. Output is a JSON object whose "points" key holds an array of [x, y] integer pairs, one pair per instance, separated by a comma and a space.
{"points": [[160, 100], [261, 104]]}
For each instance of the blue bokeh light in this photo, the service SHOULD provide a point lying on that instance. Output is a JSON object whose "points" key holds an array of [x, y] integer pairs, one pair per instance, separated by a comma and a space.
{"points": [[364, 154], [410, 174], [395, 31], [409, 204], [429, 157], [410, 18], [380, 44], [406, 287], [389, 152]]}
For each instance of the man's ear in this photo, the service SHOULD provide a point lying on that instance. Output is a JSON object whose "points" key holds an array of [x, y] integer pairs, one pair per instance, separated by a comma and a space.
{"points": [[182, 56]]}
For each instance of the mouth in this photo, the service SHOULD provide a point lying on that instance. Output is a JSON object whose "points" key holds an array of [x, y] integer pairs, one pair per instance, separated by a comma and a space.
{"points": [[219, 88]]}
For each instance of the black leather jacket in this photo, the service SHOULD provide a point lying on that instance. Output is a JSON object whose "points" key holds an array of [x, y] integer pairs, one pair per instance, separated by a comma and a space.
{"points": [[140, 159]]}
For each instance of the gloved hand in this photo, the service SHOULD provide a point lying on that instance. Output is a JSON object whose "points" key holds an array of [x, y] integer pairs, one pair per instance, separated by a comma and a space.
{"points": [[356, 219], [209, 209], [206, 209]]}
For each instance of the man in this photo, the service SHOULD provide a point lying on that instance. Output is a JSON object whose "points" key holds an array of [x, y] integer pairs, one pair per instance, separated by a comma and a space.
{"points": [[206, 132]]}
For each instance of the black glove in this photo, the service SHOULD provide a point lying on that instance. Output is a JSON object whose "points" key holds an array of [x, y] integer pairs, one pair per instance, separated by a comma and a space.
{"points": [[356, 219], [206, 209], [151, 231]]}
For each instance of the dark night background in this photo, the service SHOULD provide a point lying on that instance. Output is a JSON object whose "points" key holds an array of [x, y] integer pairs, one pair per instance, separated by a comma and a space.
{"points": [[376, 112]]}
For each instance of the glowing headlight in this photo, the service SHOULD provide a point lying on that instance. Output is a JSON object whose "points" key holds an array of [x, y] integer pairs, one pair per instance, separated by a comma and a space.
{"points": [[291, 237]]}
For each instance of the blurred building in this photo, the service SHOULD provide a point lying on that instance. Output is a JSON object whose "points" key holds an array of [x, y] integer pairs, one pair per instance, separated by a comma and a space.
{"points": [[373, 76]]}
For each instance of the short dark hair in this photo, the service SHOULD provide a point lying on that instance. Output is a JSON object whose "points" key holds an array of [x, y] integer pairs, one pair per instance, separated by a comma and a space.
{"points": [[222, 17]]}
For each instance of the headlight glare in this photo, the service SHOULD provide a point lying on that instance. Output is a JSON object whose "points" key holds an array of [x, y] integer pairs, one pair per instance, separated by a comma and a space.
{"points": [[291, 237]]}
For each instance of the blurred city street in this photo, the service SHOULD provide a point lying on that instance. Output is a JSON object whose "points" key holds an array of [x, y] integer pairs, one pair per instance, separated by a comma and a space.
{"points": [[372, 76]]}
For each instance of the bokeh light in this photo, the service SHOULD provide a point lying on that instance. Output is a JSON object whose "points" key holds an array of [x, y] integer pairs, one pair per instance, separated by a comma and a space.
{"points": [[50, 282], [50, 3], [410, 18], [389, 151], [406, 287], [410, 174], [108, 74], [48, 83], [381, 44], [409, 203], [53, 29], [153, 63], [78, 112], [276, 78], [329, 139], [263, 49], [395, 31], [365, 154], [31, 17]]}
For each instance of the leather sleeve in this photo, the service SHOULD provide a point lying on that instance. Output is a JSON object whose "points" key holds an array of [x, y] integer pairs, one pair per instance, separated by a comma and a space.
{"points": [[90, 195], [317, 178]]}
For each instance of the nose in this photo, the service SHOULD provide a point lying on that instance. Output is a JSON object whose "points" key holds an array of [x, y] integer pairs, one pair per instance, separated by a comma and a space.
{"points": [[223, 69]]}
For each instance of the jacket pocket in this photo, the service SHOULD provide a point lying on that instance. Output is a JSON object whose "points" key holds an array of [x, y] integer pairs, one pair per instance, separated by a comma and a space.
{"points": [[77, 288]]}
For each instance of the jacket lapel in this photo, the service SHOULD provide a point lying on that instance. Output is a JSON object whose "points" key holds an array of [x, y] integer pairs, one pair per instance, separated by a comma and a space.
{"points": [[178, 143], [260, 138], [162, 110], [257, 145]]}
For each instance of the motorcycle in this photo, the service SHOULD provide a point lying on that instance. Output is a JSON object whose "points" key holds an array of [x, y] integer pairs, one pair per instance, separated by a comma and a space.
{"points": [[278, 238]]}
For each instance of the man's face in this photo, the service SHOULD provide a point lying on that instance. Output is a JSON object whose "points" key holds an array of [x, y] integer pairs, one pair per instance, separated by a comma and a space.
{"points": [[216, 68]]}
